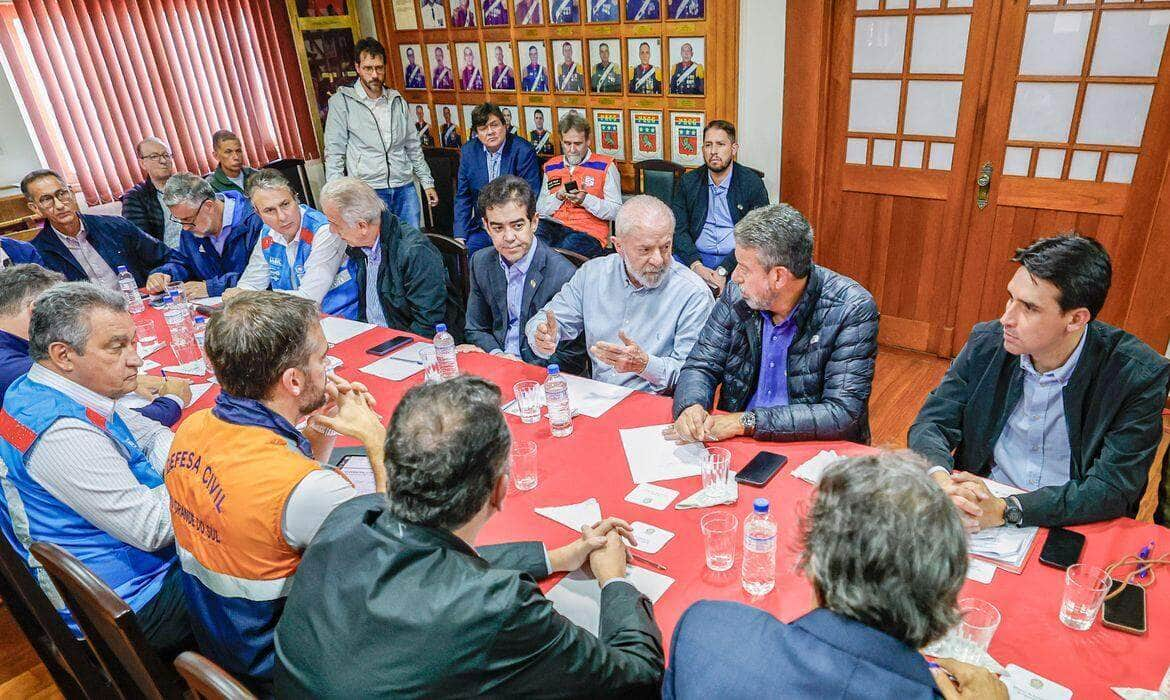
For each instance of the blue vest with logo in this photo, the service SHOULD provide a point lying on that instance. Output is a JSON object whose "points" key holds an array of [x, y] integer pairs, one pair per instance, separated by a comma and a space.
{"points": [[30, 513], [342, 297]]}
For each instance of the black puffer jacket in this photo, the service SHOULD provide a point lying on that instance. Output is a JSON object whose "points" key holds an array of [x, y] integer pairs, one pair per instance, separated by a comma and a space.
{"points": [[830, 362]]}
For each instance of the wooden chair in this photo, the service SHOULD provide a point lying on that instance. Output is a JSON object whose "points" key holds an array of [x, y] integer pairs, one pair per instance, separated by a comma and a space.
{"points": [[657, 177], [576, 258], [295, 172], [110, 628], [68, 659], [444, 165], [207, 680], [455, 259]]}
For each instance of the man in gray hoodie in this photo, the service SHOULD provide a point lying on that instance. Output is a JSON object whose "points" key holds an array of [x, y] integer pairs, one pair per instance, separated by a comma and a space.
{"points": [[369, 135]]}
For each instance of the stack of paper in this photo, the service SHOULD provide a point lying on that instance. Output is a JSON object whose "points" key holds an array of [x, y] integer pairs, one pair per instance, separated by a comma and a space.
{"points": [[654, 458], [814, 467], [578, 597], [586, 396], [1005, 545], [400, 365], [338, 330]]}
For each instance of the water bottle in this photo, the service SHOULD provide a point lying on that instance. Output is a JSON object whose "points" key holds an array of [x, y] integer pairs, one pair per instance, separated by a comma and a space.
{"points": [[129, 289], [556, 397], [183, 342], [759, 550], [200, 331], [445, 353]]}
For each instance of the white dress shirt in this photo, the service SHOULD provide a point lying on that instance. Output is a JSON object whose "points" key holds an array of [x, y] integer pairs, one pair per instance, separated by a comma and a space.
{"points": [[96, 268], [320, 267]]}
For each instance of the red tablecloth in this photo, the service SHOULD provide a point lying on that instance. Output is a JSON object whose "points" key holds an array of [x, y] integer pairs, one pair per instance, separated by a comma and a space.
{"points": [[591, 463]]}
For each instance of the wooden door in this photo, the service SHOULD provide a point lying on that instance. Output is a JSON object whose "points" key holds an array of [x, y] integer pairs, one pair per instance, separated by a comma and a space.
{"points": [[894, 109]]}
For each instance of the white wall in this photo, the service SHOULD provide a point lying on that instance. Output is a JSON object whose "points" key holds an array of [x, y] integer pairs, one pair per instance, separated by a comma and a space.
{"points": [[761, 87], [18, 155]]}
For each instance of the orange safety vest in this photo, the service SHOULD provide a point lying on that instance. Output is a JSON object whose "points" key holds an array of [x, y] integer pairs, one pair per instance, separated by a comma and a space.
{"points": [[590, 176]]}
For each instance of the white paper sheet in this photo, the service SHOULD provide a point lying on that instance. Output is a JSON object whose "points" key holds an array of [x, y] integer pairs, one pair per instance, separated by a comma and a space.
{"points": [[714, 496], [207, 301], [148, 365], [1023, 684], [357, 468], [399, 365], [194, 368], [815, 466], [654, 458], [1008, 545], [574, 516], [651, 538], [578, 597], [338, 330], [586, 396], [980, 571], [652, 496], [198, 390]]}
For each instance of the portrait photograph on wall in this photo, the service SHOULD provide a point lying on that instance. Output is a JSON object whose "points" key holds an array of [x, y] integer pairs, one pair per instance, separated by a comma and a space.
{"points": [[423, 124], [603, 11], [529, 12], [605, 63], [433, 13], [329, 53], [538, 123], [470, 62], [687, 75], [570, 73], [450, 135], [684, 9], [643, 10], [413, 73], [564, 11], [534, 74], [462, 14], [442, 75], [502, 74], [403, 13], [645, 59], [495, 13], [511, 119], [322, 8], [468, 130]]}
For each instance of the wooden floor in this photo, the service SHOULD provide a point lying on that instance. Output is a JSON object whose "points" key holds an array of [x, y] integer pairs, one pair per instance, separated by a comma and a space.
{"points": [[901, 382]]}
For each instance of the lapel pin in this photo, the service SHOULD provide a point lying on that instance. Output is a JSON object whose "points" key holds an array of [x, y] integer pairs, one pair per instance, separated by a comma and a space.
{"points": [[739, 207], [532, 283]]}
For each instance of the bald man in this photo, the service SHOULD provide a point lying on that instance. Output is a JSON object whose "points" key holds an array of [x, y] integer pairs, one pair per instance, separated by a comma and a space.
{"points": [[142, 204]]}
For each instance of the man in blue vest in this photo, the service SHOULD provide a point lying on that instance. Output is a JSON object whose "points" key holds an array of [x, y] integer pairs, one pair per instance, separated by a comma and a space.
{"points": [[219, 233], [84, 473], [85, 246], [14, 252]]}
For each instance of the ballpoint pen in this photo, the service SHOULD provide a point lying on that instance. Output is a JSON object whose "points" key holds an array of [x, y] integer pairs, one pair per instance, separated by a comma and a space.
{"points": [[1144, 554], [644, 560]]}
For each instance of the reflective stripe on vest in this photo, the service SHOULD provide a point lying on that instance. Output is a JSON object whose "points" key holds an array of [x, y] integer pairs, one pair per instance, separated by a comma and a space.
{"points": [[341, 299], [590, 177]]}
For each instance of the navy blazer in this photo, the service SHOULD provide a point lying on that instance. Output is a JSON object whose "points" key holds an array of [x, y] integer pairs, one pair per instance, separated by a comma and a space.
{"points": [[19, 252], [487, 306], [518, 158], [197, 258], [819, 655], [117, 241], [745, 192]]}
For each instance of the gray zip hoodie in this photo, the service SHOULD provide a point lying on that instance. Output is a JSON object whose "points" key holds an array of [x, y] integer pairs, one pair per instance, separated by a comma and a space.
{"points": [[355, 146]]}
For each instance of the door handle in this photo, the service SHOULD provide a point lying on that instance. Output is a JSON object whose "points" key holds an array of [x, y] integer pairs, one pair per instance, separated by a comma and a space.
{"points": [[983, 182]]}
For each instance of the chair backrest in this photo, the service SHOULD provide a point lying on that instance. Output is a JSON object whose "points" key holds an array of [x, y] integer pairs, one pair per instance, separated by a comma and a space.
{"points": [[207, 680], [295, 172], [109, 626], [657, 178], [455, 259], [444, 165], [757, 171], [68, 659], [572, 256]]}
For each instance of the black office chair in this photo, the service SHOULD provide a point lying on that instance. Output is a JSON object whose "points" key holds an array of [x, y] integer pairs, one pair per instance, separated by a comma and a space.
{"points": [[444, 165], [297, 175], [455, 259], [657, 178], [576, 258], [1162, 511], [757, 171]]}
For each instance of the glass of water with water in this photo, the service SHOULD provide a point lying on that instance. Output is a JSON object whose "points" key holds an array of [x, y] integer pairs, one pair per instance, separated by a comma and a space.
{"points": [[1085, 587], [720, 539]]}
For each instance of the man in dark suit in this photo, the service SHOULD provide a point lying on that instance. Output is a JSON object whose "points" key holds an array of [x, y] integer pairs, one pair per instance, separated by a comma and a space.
{"points": [[85, 246], [492, 153], [420, 612], [1047, 399], [709, 202], [886, 556], [515, 278], [142, 204]]}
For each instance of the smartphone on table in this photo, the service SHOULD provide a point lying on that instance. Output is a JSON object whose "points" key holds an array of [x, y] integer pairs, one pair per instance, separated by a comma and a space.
{"points": [[389, 346], [761, 469]]}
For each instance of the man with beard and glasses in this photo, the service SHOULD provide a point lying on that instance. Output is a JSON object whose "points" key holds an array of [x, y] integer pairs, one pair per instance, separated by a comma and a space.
{"points": [[247, 489], [791, 343], [709, 202], [577, 217], [640, 310]]}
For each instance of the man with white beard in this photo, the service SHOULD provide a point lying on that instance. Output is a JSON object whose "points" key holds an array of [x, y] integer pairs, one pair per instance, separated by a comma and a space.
{"points": [[641, 310]]}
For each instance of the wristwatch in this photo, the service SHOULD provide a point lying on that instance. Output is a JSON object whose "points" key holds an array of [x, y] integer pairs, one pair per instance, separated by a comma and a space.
{"points": [[748, 420], [1013, 514], [721, 271]]}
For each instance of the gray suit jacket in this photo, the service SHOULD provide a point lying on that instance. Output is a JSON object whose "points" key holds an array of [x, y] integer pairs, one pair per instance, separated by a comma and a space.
{"points": [[487, 306]]}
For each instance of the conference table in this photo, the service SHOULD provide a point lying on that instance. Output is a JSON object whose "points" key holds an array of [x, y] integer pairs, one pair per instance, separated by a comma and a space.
{"points": [[591, 463]]}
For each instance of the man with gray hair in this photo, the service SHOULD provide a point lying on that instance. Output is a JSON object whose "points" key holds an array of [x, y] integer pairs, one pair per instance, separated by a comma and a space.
{"points": [[791, 343], [886, 556], [581, 193], [142, 204], [400, 277], [82, 471], [220, 232], [640, 310]]}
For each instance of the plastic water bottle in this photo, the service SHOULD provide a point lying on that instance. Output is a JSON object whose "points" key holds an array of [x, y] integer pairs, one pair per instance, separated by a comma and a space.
{"points": [[183, 341], [759, 550], [445, 353], [200, 331], [129, 289], [556, 396]]}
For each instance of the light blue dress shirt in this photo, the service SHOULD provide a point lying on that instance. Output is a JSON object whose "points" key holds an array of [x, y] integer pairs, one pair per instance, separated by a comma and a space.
{"points": [[225, 226], [374, 313], [515, 274], [717, 238], [493, 162], [1033, 450], [665, 321]]}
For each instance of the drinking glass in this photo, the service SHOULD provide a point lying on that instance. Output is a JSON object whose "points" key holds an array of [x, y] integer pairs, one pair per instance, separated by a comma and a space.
{"points": [[980, 621], [430, 362], [528, 399], [719, 539], [716, 465], [1085, 587], [524, 465], [144, 331]]}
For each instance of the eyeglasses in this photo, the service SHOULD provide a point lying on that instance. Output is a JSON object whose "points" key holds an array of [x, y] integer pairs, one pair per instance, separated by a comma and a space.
{"points": [[156, 157], [63, 195], [188, 223]]}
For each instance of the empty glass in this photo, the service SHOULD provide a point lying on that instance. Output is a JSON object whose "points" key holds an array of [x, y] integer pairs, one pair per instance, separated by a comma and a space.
{"points": [[524, 465], [1085, 587], [528, 399], [145, 333], [720, 539], [980, 621], [716, 465], [430, 363]]}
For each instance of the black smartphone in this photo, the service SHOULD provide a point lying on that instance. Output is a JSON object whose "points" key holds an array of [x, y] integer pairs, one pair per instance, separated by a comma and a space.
{"points": [[1126, 611], [1063, 548], [390, 345], [761, 469], [570, 187]]}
